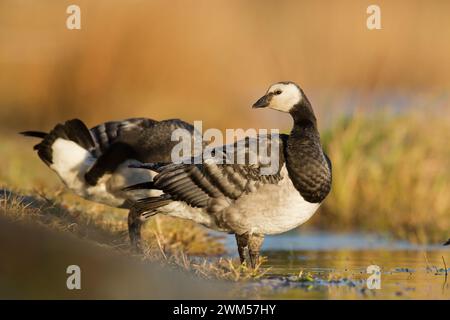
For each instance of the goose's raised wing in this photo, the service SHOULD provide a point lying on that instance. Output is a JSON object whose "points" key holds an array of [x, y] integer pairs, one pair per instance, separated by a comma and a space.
{"points": [[107, 133], [141, 139]]}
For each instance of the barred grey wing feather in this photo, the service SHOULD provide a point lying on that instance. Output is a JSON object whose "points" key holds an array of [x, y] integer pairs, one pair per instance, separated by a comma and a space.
{"points": [[196, 184], [107, 133]]}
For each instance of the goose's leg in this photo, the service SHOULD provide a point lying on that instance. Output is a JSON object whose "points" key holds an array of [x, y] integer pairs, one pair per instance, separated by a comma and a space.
{"points": [[254, 246], [134, 229], [242, 243]]}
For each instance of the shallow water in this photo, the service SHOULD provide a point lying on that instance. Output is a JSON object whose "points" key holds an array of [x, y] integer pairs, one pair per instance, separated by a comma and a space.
{"points": [[334, 266]]}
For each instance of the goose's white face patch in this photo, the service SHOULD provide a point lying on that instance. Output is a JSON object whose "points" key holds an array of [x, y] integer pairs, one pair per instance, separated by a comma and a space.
{"points": [[284, 96]]}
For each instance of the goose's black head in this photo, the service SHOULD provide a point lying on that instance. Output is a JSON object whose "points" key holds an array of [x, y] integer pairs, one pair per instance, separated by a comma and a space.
{"points": [[288, 97]]}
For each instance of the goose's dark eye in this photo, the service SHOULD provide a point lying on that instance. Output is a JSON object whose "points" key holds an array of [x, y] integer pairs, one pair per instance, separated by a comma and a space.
{"points": [[277, 92]]}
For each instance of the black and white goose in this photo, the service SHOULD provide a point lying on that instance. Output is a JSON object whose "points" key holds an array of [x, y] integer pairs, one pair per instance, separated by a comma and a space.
{"points": [[237, 198], [95, 164]]}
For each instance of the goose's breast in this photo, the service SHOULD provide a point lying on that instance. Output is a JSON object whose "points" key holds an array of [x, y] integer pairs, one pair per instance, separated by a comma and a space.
{"points": [[272, 209]]}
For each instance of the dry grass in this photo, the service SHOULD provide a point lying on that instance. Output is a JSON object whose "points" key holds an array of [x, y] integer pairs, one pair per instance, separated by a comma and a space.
{"points": [[106, 225], [221, 268], [174, 235], [179, 244], [391, 173]]}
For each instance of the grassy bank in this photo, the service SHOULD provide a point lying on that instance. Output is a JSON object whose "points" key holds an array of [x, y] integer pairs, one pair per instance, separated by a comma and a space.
{"points": [[181, 245]]}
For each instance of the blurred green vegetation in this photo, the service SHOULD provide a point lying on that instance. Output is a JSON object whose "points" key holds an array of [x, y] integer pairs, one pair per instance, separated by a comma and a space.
{"points": [[390, 173], [209, 61]]}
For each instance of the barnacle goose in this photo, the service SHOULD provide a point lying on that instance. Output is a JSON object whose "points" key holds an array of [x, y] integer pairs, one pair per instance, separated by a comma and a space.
{"points": [[95, 163], [237, 198]]}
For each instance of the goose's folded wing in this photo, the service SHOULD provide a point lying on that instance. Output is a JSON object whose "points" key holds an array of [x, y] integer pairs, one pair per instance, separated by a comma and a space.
{"points": [[196, 184]]}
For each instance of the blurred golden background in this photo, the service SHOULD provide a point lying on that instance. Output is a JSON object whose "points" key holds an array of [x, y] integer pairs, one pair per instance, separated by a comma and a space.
{"points": [[381, 96], [209, 60]]}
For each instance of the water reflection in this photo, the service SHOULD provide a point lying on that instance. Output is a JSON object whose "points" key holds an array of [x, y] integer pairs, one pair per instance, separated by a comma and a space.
{"points": [[337, 265]]}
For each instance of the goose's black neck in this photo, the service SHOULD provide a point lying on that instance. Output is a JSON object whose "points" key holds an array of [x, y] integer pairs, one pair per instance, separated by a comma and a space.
{"points": [[303, 114], [306, 163]]}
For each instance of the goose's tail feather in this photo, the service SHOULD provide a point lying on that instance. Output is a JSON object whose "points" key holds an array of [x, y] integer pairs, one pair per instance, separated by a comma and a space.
{"points": [[147, 207], [73, 130], [140, 186], [150, 166], [34, 134]]}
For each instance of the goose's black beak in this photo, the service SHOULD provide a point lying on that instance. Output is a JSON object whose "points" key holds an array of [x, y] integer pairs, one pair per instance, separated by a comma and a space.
{"points": [[447, 243], [262, 102]]}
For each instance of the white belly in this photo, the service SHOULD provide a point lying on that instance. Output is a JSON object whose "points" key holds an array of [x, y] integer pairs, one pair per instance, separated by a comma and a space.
{"points": [[272, 209], [71, 162], [182, 210]]}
